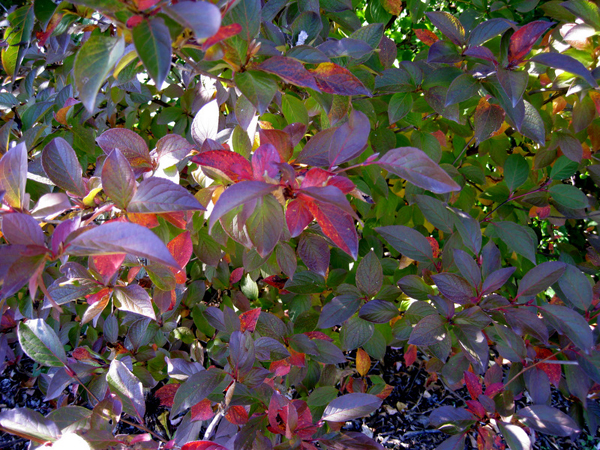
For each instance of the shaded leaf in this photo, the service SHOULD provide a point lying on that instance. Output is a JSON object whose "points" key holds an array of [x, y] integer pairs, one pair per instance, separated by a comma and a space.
{"points": [[196, 388], [429, 330], [570, 323], [488, 119], [258, 87], [369, 275], [378, 311], [548, 420], [338, 310], [576, 287], [407, 241], [540, 278], [62, 166], [128, 388], [518, 238], [314, 252]]}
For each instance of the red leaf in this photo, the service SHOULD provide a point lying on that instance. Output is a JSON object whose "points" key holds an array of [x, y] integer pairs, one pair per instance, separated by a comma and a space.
{"points": [[233, 165], [315, 177], [236, 276], [426, 37], [237, 415], [435, 246], [134, 20], [290, 71], [410, 356], [298, 215], [524, 38], [248, 319], [146, 220], [553, 371], [145, 4], [476, 408], [387, 390], [280, 140], [494, 389], [94, 298], [202, 410], [177, 218], [342, 183], [166, 394], [280, 368], [473, 385], [297, 359], [276, 281], [318, 335], [202, 445], [81, 354], [225, 32], [181, 248], [107, 265], [334, 79], [336, 225]]}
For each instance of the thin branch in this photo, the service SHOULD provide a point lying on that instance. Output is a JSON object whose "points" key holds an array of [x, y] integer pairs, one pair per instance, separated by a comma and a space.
{"points": [[463, 150], [525, 369], [197, 69]]}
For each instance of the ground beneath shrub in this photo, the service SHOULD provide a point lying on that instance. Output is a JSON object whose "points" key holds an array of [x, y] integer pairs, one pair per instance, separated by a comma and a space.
{"points": [[401, 422]]}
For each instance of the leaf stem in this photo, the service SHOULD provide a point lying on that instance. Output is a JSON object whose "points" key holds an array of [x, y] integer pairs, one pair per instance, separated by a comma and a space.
{"points": [[511, 198], [463, 150]]}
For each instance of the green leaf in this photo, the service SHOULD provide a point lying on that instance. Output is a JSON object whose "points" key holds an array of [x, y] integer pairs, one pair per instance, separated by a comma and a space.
{"points": [[248, 14], [41, 343], [407, 241], [196, 388], [515, 436], [576, 287], [265, 225], [128, 388], [44, 10], [436, 212], [569, 196], [17, 36], [516, 171], [518, 238], [94, 61], [153, 44], [369, 275], [306, 283], [462, 88], [355, 333], [400, 105], [29, 424], [258, 87]]}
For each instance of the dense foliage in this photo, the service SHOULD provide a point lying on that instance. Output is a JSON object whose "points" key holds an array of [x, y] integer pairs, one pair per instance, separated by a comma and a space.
{"points": [[231, 209]]}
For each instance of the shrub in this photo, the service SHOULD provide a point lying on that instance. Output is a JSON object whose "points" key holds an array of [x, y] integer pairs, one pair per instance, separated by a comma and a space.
{"points": [[232, 208]]}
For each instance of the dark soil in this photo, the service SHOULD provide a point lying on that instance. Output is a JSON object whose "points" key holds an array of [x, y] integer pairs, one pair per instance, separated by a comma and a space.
{"points": [[401, 423]]}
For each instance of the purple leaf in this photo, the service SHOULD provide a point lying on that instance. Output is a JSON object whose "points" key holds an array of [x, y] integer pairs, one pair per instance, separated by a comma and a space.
{"points": [[203, 18], [19, 264], [51, 205], [449, 25], [567, 64], [540, 278], [513, 84], [487, 30], [237, 195], [351, 406], [132, 146], [350, 139], [64, 229], [497, 279], [13, 176], [429, 330], [330, 195], [206, 122], [571, 324], [488, 119], [524, 38], [416, 167], [407, 241], [62, 166], [314, 252], [454, 287], [118, 179], [549, 420], [120, 237], [265, 225], [576, 287], [338, 310], [22, 229], [378, 311], [128, 388], [159, 195], [171, 149], [481, 53], [316, 150], [135, 299], [29, 424], [196, 388]]}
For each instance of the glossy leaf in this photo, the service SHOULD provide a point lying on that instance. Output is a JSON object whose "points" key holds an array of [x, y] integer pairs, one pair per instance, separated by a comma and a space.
{"points": [[203, 18], [41, 343], [351, 406], [206, 123], [22, 229], [13, 175], [487, 30], [338, 310], [118, 179], [128, 388], [428, 331], [415, 166], [524, 38], [350, 139], [94, 61], [159, 195], [449, 25], [62, 166], [153, 43], [378, 311], [567, 64], [541, 277], [119, 237], [407, 241]]}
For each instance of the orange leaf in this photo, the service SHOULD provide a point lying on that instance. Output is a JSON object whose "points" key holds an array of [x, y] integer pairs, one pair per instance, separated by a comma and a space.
{"points": [[387, 390], [146, 220], [334, 79], [394, 7], [410, 356], [181, 248], [280, 368], [225, 32], [166, 394], [237, 415], [427, 37], [107, 265], [202, 410], [435, 246], [145, 4], [318, 335], [248, 319], [595, 96], [363, 362]]}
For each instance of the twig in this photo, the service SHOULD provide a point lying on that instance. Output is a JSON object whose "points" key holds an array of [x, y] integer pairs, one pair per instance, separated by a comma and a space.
{"points": [[463, 150], [525, 369], [195, 67], [209, 431]]}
